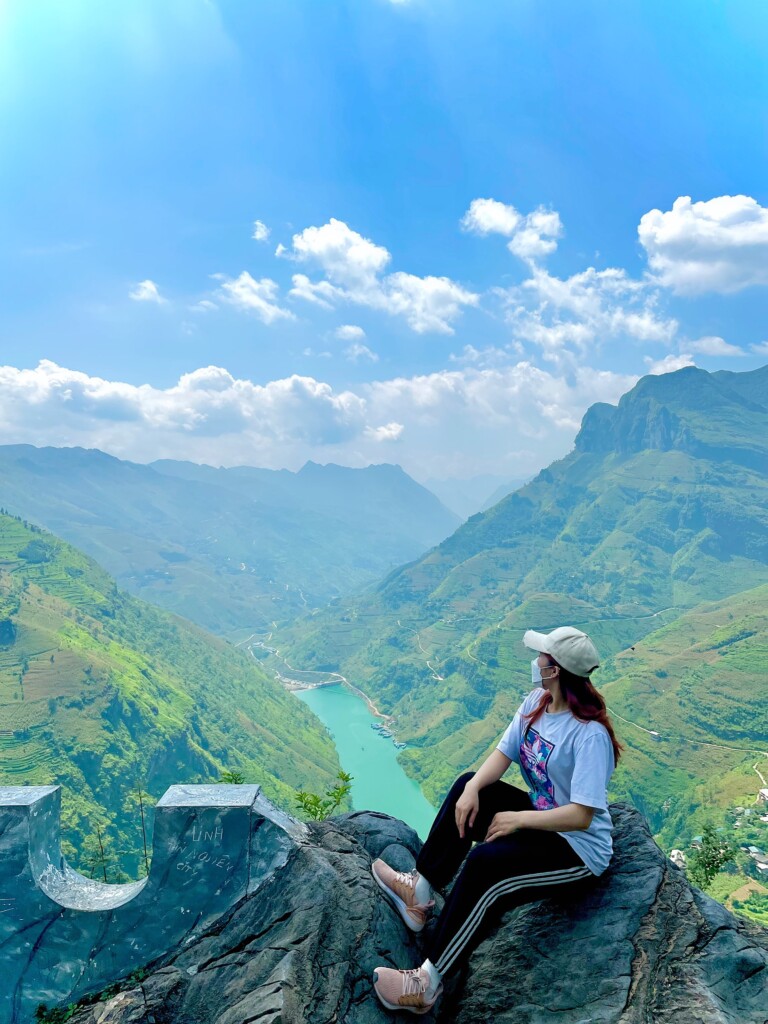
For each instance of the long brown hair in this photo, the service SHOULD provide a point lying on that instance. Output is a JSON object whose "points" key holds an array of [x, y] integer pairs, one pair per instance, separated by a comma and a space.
{"points": [[584, 703]]}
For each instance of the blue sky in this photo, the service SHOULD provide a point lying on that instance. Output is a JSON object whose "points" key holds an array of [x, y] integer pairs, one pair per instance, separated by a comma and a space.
{"points": [[461, 196]]}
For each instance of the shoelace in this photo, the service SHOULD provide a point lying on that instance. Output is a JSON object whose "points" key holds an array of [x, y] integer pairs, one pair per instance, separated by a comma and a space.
{"points": [[407, 878], [414, 983]]}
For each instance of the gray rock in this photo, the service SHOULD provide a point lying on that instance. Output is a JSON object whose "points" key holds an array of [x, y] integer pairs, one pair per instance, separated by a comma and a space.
{"points": [[639, 945], [303, 948]]}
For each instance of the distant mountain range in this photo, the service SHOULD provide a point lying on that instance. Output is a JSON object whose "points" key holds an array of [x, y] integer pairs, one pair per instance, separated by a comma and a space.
{"points": [[106, 694], [662, 505], [229, 549]]}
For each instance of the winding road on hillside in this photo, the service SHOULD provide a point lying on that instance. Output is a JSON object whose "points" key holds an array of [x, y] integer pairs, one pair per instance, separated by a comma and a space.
{"points": [[609, 618], [432, 669]]}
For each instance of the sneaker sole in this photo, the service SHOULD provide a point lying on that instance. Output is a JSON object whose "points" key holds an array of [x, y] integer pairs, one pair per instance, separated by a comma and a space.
{"points": [[410, 1009], [402, 909]]}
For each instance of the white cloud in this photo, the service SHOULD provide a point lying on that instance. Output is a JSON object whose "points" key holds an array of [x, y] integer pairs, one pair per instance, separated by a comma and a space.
{"points": [[761, 347], [538, 236], [260, 231], [468, 421], [715, 346], [489, 216], [491, 355], [354, 269], [203, 306], [208, 412], [427, 303], [358, 351], [258, 297], [321, 293], [350, 332], [669, 363], [349, 259], [388, 432], [567, 317], [455, 423], [720, 245], [532, 236], [146, 291]]}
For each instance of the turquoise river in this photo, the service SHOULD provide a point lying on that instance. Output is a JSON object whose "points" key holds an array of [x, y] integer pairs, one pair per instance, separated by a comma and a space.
{"points": [[379, 783]]}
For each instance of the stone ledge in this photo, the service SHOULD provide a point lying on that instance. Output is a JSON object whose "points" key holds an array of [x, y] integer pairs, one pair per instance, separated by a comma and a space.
{"points": [[63, 935]]}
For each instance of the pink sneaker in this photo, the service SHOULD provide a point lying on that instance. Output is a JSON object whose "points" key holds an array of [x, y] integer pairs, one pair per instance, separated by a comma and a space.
{"points": [[400, 888], [405, 990]]}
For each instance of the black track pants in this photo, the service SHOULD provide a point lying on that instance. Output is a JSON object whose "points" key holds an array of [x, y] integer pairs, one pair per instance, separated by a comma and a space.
{"points": [[519, 868]]}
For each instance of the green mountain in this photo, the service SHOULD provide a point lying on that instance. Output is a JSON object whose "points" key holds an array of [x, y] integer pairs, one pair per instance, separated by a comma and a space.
{"points": [[662, 505], [690, 704], [106, 694], [230, 549]]}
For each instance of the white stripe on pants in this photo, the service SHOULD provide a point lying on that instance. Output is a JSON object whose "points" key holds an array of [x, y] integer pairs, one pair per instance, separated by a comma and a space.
{"points": [[503, 888]]}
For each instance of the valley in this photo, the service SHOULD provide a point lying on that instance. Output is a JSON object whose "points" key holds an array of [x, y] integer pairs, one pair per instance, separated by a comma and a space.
{"points": [[652, 535]]}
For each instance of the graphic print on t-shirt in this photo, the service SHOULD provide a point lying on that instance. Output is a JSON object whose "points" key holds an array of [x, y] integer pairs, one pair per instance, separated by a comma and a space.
{"points": [[534, 754]]}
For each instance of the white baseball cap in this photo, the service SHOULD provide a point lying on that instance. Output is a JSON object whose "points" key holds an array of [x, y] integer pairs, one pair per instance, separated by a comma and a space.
{"points": [[568, 646]]}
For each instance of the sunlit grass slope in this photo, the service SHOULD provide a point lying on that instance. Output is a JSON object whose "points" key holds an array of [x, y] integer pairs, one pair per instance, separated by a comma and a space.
{"points": [[103, 693], [700, 683]]}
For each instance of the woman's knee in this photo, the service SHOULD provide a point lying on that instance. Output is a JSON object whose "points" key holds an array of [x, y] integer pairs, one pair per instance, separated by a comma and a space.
{"points": [[458, 787]]}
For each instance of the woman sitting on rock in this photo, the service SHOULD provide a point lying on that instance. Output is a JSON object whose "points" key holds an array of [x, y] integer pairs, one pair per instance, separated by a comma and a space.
{"points": [[529, 845]]}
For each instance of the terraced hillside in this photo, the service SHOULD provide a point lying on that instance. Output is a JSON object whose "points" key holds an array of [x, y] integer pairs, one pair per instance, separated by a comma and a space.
{"points": [[106, 694], [693, 707], [662, 505]]}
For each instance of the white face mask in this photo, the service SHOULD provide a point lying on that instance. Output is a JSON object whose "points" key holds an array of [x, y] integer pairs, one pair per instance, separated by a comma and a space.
{"points": [[535, 672]]}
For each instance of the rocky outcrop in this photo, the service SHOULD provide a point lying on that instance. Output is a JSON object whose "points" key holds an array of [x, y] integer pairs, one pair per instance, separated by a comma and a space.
{"points": [[690, 410], [640, 945]]}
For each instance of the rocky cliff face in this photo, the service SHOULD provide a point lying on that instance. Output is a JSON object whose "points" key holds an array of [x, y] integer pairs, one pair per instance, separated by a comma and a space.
{"points": [[640, 945], [691, 411]]}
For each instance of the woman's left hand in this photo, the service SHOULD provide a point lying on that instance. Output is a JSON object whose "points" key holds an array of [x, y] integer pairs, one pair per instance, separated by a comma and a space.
{"points": [[504, 823]]}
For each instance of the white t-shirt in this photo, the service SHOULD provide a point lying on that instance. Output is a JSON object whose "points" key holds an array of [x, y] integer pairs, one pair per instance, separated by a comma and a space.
{"points": [[565, 761]]}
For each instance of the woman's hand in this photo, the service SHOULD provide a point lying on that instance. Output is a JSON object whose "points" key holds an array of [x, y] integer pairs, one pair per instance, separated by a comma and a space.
{"points": [[467, 807], [504, 823]]}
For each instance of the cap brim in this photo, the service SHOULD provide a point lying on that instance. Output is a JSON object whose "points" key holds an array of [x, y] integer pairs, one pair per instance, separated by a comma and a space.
{"points": [[536, 641]]}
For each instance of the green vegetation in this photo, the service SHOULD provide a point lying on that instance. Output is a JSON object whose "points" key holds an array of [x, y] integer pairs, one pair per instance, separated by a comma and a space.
{"points": [[319, 808], [112, 698], [755, 907], [742, 883], [61, 1014], [707, 709], [713, 853]]}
